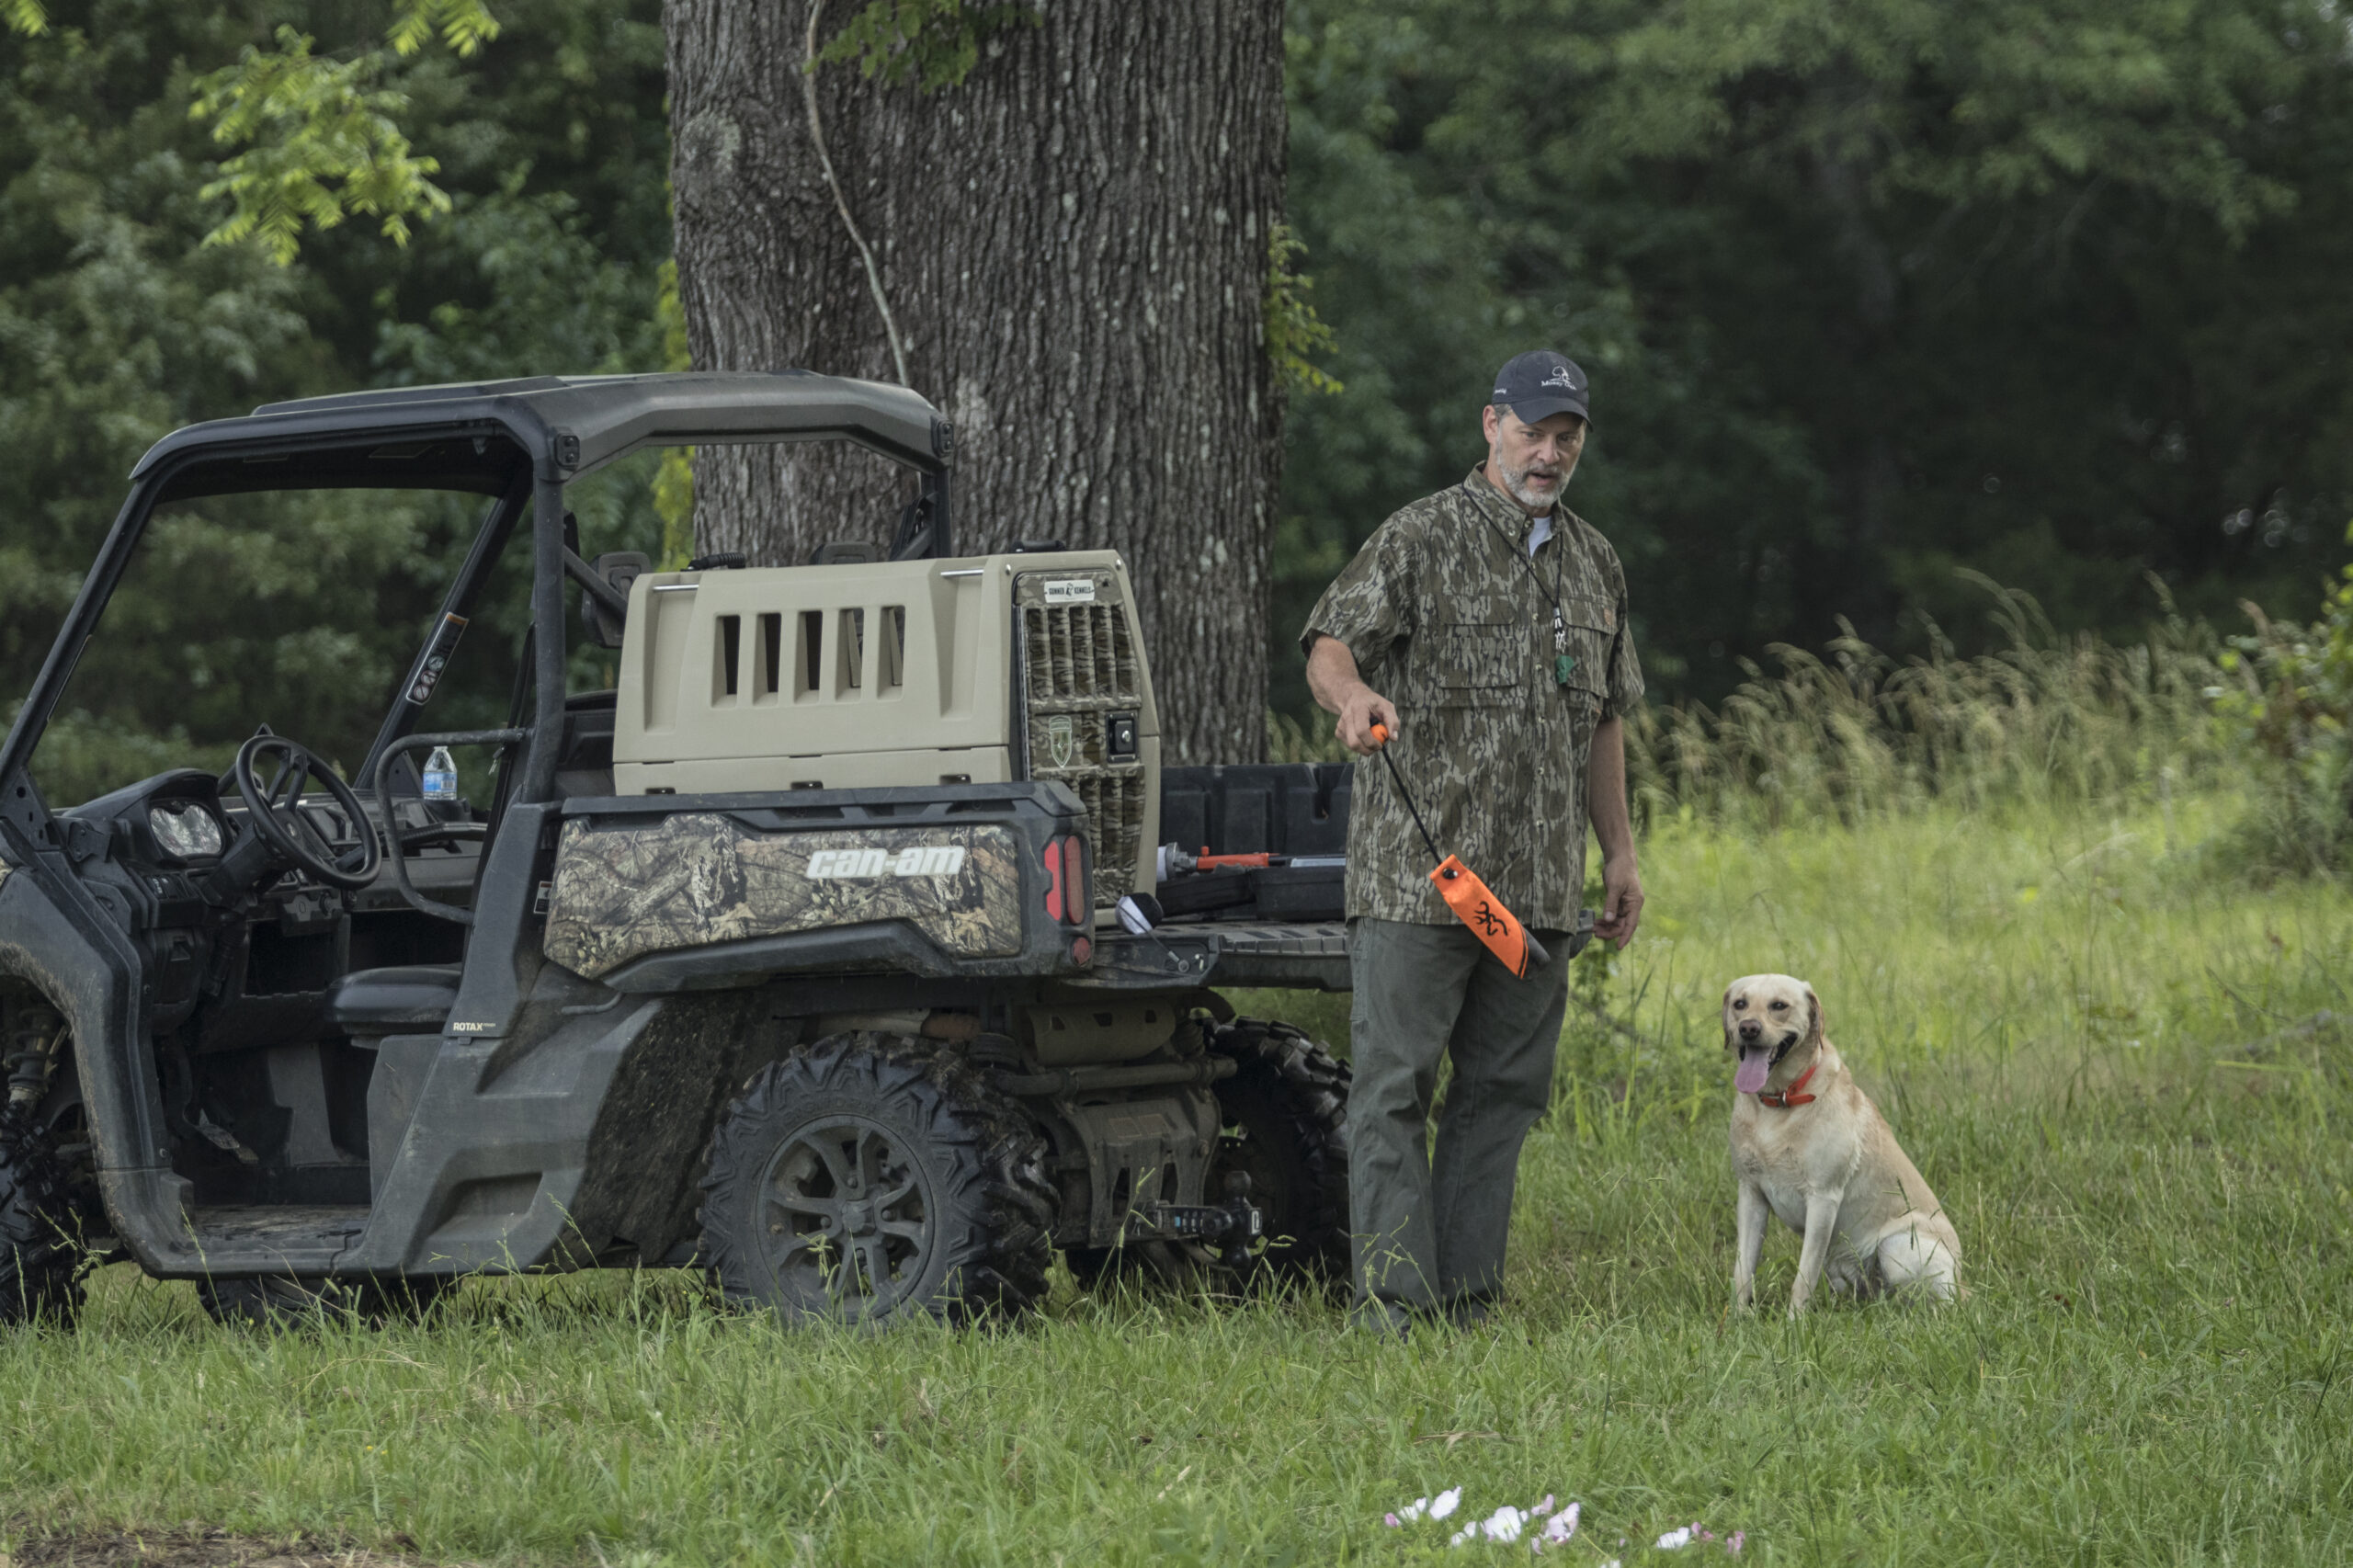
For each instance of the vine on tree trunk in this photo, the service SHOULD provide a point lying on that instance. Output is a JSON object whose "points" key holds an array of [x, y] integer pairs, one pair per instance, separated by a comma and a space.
{"points": [[841, 199], [674, 481]]}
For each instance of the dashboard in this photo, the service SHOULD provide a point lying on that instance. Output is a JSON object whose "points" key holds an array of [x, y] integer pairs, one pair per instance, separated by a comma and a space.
{"points": [[185, 830]]}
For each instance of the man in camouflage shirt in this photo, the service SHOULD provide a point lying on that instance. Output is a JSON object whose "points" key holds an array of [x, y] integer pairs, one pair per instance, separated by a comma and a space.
{"points": [[1486, 628]]}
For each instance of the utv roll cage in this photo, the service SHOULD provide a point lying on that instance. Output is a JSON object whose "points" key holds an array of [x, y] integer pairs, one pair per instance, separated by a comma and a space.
{"points": [[517, 441]]}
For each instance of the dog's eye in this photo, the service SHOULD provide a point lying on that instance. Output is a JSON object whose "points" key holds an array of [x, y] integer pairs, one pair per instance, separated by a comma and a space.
{"points": [[1740, 1004], [1780, 1007]]}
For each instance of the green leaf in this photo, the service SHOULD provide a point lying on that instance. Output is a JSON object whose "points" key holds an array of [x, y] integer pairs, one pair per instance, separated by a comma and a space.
{"points": [[1293, 330], [324, 146], [936, 42], [464, 25], [322, 140]]}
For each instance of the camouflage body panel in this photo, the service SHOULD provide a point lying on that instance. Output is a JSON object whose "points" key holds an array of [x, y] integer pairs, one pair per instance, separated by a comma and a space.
{"points": [[701, 877], [1448, 621], [1080, 670]]}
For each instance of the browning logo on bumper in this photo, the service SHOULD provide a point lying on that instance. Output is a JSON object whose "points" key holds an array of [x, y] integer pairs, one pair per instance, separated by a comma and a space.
{"points": [[700, 877]]}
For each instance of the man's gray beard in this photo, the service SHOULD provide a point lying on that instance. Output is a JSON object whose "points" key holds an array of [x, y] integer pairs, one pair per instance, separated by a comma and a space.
{"points": [[1516, 481]]}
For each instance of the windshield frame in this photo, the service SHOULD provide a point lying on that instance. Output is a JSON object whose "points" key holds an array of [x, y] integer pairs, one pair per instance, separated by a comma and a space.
{"points": [[314, 461]]}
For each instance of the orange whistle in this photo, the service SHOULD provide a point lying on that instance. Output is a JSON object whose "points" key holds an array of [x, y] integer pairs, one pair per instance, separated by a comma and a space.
{"points": [[1465, 894]]}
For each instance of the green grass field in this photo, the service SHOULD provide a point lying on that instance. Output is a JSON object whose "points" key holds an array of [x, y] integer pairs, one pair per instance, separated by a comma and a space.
{"points": [[2097, 1041]]}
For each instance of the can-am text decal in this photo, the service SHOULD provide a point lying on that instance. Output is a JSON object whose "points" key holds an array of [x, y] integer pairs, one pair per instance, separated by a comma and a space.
{"points": [[915, 860]]}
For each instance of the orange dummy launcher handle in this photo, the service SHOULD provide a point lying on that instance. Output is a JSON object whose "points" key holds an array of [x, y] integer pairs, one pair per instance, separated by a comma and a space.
{"points": [[1515, 946]]}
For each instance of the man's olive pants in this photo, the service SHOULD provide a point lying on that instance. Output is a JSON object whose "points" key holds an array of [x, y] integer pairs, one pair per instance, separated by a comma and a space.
{"points": [[1429, 1232]]}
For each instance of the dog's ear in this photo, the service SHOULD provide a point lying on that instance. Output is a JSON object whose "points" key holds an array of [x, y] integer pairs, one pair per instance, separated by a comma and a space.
{"points": [[1724, 1015], [1813, 1006]]}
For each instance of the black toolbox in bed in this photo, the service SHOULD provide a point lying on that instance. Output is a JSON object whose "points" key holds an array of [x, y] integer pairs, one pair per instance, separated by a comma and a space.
{"points": [[1288, 811]]}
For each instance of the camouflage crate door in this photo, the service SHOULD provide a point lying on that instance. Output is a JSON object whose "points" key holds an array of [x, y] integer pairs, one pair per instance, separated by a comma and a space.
{"points": [[1087, 715]]}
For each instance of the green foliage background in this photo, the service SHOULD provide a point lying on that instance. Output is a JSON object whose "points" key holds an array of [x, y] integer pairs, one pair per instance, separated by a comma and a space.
{"points": [[117, 323], [1870, 291]]}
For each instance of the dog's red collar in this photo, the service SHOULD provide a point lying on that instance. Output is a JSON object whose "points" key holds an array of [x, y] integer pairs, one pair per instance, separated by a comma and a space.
{"points": [[1789, 1098]]}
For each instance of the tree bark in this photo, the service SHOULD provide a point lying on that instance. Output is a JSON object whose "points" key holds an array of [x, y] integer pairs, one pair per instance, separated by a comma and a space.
{"points": [[1072, 244]]}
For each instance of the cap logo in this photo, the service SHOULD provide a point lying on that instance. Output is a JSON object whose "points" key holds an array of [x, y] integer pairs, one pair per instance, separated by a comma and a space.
{"points": [[1560, 378]]}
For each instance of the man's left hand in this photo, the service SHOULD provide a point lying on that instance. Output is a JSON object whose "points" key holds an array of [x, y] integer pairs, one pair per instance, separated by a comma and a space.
{"points": [[1621, 901]]}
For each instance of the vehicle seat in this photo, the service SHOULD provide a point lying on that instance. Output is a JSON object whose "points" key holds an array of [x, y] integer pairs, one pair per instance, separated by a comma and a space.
{"points": [[585, 767], [373, 1002]]}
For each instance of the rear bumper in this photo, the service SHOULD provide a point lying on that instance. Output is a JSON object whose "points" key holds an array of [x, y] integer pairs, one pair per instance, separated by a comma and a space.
{"points": [[1284, 957]]}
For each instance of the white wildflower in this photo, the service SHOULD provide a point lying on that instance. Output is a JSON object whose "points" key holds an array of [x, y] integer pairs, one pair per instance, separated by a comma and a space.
{"points": [[1676, 1538]]}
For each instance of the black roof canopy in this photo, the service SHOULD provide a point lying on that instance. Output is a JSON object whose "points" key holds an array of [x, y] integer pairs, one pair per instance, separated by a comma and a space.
{"points": [[473, 435]]}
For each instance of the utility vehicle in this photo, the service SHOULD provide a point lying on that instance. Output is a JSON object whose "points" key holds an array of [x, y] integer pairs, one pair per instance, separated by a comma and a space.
{"points": [[791, 955]]}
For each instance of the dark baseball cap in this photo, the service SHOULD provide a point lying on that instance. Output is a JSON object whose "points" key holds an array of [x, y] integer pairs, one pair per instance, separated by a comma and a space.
{"points": [[1536, 385]]}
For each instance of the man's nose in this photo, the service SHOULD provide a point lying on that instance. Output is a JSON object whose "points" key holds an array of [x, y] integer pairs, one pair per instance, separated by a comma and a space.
{"points": [[1750, 1031]]}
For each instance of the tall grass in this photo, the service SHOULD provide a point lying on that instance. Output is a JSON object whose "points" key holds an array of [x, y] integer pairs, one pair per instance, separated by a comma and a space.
{"points": [[2048, 717], [1855, 732]]}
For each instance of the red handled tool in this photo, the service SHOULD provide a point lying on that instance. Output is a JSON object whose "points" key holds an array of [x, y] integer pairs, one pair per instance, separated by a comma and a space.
{"points": [[1511, 942]]}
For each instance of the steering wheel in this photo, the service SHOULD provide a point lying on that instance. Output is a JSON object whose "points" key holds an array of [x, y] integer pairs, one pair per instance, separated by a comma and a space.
{"points": [[275, 811]]}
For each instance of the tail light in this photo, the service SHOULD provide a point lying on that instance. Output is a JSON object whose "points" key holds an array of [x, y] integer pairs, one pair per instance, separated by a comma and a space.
{"points": [[1067, 902]]}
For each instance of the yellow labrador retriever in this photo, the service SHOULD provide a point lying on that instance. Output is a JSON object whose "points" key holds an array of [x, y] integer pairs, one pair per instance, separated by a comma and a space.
{"points": [[1808, 1145]]}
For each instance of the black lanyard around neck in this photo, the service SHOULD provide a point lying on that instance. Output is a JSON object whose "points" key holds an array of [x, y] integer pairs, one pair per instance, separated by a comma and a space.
{"points": [[1563, 662]]}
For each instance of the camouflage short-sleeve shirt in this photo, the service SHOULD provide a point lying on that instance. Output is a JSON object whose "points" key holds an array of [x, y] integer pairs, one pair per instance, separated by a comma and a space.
{"points": [[1448, 621]]}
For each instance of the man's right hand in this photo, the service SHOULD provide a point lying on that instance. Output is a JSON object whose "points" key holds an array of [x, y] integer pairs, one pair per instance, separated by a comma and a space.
{"points": [[1332, 678], [1359, 711]]}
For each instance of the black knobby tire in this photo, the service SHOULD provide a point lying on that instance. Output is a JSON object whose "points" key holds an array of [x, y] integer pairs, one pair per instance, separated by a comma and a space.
{"points": [[282, 1303], [41, 1260], [870, 1178], [1285, 1125]]}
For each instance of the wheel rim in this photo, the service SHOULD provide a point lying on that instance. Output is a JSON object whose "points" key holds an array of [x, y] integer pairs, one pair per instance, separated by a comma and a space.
{"points": [[845, 1218]]}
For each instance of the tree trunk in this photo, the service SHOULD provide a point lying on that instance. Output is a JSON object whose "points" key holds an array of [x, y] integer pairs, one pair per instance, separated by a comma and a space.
{"points": [[1072, 244]]}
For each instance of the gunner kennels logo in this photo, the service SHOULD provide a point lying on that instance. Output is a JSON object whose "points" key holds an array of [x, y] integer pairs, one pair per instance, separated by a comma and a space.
{"points": [[915, 860], [1061, 739]]}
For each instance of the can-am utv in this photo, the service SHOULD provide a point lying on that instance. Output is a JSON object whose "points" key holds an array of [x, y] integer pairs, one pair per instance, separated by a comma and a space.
{"points": [[792, 954]]}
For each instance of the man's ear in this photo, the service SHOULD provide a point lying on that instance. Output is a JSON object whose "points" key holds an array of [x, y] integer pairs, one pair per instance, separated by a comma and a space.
{"points": [[1813, 1005], [1490, 421]]}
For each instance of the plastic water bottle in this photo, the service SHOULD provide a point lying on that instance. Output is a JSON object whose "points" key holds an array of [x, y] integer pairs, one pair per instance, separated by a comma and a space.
{"points": [[440, 778]]}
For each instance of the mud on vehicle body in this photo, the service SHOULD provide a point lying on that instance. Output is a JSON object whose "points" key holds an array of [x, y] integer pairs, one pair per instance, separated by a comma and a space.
{"points": [[794, 956]]}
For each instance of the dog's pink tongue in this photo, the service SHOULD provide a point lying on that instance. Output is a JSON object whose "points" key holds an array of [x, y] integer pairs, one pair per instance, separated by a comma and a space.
{"points": [[1756, 1066]]}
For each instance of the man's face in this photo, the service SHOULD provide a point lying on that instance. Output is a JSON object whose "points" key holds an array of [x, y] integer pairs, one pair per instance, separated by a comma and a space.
{"points": [[1533, 463]]}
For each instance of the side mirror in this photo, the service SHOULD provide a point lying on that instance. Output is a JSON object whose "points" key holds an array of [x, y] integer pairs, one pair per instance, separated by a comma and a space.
{"points": [[618, 568]]}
